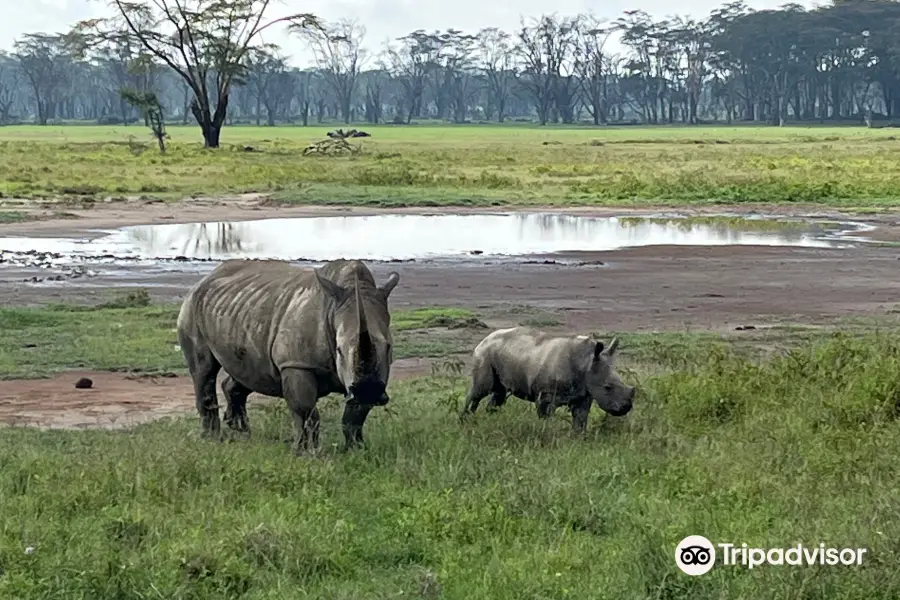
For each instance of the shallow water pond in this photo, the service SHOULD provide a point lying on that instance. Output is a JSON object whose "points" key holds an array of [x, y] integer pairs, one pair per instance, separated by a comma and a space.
{"points": [[403, 237]]}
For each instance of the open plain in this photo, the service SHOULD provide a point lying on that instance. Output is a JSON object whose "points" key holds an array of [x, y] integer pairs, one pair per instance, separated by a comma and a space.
{"points": [[768, 375]]}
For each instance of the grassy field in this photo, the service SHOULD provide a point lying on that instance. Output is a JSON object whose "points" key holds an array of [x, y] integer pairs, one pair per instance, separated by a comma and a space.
{"points": [[798, 448], [465, 165]]}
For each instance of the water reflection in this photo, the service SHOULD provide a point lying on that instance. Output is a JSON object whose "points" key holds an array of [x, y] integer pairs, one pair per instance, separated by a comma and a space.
{"points": [[197, 241], [386, 237]]}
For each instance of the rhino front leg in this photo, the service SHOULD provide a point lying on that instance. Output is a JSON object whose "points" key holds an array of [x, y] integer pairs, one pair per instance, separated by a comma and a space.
{"points": [[580, 411], [203, 368], [498, 397], [544, 406], [473, 399], [236, 411], [484, 382], [354, 418], [300, 391]]}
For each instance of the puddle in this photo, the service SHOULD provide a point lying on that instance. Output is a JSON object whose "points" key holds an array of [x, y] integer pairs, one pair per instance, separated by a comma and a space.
{"points": [[406, 237]]}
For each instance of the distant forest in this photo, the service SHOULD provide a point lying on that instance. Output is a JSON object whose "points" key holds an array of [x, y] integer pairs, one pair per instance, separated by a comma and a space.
{"points": [[835, 63]]}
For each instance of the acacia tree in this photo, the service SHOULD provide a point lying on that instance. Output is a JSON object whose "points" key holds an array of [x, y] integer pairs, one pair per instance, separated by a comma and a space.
{"points": [[9, 84], [546, 49], [270, 83], [118, 64], [340, 56], [693, 39], [127, 68], [409, 62], [44, 60], [451, 69], [206, 42], [376, 80], [495, 61], [644, 79], [592, 65]]}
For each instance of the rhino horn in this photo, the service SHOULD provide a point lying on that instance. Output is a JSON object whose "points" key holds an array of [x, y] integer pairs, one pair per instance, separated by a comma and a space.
{"points": [[365, 342]]}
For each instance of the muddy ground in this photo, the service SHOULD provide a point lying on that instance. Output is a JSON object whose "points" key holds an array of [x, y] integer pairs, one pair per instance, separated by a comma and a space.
{"points": [[639, 289]]}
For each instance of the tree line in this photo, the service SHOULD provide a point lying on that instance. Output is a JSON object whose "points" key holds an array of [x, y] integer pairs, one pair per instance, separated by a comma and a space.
{"points": [[202, 62]]}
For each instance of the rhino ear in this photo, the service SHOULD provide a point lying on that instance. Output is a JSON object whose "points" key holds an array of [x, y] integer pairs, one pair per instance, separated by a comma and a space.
{"points": [[598, 348], [330, 287], [390, 284], [611, 349]]}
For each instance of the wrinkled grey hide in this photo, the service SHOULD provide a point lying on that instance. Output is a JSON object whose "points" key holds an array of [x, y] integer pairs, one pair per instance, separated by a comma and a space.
{"points": [[549, 371], [298, 333]]}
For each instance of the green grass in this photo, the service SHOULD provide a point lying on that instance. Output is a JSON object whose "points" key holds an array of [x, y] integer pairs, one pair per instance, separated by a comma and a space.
{"points": [[800, 448], [540, 322], [467, 165], [421, 318], [12, 216], [126, 333], [15, 216]]}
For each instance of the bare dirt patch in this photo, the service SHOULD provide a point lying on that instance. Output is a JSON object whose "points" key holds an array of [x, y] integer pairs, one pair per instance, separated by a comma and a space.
{"points": [[118, 400], [115, 400]]}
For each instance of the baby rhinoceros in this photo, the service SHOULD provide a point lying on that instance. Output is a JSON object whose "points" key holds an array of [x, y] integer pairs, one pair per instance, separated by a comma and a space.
{"points": [[550, 371]]}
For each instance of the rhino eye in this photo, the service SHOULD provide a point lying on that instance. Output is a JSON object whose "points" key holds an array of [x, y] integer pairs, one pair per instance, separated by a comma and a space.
{"points": [[340, 353], [608, 387]]}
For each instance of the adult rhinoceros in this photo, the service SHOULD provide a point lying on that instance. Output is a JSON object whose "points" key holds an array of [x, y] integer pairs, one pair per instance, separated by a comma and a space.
{"points": [[298, 333]]}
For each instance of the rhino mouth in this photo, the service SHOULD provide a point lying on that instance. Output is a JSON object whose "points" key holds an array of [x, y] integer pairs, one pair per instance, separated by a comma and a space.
{"points": [[619, 412], [368, 391]]}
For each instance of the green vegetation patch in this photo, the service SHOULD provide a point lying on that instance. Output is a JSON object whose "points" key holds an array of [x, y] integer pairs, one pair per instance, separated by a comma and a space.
{"points": [[12, 216], [421, 318], [128, 333], [15, 216], [466, 165]]}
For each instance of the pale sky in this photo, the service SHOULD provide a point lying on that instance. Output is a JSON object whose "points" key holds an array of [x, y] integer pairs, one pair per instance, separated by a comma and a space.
{"points": [[383, 19]]}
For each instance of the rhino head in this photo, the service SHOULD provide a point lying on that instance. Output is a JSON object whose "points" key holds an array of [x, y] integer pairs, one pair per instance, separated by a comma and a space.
{"points": [[603, 383], [362, 327]]}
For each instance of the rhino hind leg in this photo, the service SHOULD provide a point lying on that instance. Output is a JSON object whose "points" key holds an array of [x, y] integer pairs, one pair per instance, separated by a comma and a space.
{"points": [[300, 391], [236, 411], [203, 368]]}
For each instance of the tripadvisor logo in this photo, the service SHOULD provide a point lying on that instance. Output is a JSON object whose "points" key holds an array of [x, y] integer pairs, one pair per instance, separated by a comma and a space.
{"points": [[696, 555]]}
